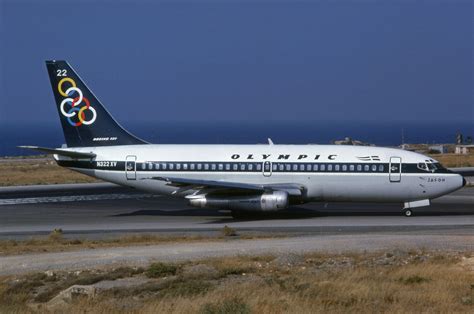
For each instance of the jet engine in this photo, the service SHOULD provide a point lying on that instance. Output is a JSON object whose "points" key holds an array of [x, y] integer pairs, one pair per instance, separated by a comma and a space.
{"points": [[271, 201]]}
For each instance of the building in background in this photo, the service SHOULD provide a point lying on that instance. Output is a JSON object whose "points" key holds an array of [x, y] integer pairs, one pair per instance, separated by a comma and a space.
{"points": [[438, 149], [464, 149]]}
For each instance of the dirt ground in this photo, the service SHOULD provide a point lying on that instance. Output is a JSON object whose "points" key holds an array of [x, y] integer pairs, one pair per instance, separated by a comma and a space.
{"points": [[385, 282]]}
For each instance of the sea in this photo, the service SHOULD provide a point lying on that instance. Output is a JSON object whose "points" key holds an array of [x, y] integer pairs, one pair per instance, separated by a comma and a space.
{"points": [[378, 133]]}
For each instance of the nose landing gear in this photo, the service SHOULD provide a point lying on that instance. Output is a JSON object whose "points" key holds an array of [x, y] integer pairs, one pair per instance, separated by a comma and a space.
{"points": [[407, 208]]}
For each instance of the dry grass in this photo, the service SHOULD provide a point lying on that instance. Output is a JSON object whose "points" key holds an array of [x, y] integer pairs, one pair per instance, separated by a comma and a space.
{"points": [[412, 282], [38, 171], [57, 242], [453, 160]]}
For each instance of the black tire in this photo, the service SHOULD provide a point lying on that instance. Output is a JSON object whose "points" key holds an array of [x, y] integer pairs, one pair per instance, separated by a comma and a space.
{"points": [[408, 212]]}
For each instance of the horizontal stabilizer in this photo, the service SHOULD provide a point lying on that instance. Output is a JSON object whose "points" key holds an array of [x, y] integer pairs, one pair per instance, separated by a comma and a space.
{"points": [[60, 152]]}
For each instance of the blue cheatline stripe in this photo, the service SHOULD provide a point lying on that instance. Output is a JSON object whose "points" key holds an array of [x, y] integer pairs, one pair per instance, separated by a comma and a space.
{"points": [[235, 167]]}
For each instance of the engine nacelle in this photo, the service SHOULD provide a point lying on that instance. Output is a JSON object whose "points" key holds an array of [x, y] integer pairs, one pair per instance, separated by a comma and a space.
{"points": [[273, 201]]}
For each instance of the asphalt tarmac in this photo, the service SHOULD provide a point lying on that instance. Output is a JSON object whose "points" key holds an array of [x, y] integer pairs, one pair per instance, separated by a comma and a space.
{"points": [[102, 210]]}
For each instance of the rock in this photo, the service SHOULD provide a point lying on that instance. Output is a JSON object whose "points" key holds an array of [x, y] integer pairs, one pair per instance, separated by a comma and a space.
{"points": [[77, 273], [120, 283], [66, 296], [288, 260], [398, 253], [199, 271], [466, 300], [331, 263], [49, 273]]}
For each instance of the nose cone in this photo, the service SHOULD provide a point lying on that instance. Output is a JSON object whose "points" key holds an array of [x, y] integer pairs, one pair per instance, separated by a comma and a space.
{"points": [[460, 182]]}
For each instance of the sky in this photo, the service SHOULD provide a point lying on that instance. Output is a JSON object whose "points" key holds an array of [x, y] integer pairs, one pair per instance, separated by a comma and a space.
{"points": [[243, 61]]}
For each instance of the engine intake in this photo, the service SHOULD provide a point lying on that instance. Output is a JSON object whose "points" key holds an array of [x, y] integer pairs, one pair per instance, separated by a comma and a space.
{"points": [[272, 201]]}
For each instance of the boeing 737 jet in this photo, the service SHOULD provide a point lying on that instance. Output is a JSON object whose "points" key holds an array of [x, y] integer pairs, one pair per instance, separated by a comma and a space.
{"points": [[241, 178]]}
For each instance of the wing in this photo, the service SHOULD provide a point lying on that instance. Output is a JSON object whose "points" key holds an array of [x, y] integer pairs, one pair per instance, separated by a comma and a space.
{"points": [[194, 184]]}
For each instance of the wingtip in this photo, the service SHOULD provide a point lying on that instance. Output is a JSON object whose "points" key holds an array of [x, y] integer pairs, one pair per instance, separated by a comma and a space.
{"points": [[27, 146]]}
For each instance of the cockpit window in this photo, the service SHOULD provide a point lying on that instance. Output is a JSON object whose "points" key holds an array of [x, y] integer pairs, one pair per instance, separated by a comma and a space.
{"points": [[422, 166], [432, 167]]}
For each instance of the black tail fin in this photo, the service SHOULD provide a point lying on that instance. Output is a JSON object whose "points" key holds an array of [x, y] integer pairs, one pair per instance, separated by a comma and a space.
{"points": [[84, 119]]}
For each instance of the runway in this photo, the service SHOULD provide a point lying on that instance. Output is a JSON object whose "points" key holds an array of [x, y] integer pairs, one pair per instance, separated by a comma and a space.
{"points": [[101, 210]]}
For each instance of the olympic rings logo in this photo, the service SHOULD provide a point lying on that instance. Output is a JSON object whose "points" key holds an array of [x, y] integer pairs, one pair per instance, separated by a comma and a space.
{"points": [[79, 104]]}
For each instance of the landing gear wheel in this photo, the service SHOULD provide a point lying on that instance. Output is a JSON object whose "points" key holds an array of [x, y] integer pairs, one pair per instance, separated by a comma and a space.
{"points": [[408, 212]]}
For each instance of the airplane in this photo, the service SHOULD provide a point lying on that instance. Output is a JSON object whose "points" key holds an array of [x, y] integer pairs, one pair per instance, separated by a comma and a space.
{"points": [[240, 178]]}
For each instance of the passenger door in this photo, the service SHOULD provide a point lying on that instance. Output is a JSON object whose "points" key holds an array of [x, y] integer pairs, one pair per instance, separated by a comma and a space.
{"points": [[395, 169], [131, 167], [267, 169]]}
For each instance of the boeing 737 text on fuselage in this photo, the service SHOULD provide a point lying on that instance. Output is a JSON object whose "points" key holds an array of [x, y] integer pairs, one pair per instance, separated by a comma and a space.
{"points": [[241, 178]]}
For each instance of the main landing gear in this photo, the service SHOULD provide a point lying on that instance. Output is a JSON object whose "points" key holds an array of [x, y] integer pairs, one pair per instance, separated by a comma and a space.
{"points": [[407, 212]]}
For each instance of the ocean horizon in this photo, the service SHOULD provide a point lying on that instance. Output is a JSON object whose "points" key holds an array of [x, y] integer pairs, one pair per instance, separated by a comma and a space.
{"points": [[380, 134]]}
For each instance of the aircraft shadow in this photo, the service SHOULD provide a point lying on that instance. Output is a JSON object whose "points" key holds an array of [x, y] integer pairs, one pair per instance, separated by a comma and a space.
{"points": [[173, 213], [297, 212]]}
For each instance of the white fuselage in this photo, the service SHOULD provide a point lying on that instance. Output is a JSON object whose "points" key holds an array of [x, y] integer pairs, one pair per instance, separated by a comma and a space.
{"points": [[329, 172]]}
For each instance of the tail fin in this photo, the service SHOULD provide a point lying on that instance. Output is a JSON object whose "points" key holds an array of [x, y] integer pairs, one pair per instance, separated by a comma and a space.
{"points": [[84, 119]]}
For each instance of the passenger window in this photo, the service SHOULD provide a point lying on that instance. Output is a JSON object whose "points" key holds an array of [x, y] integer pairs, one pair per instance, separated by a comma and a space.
{"points": [[242, 167], [344, 167], [206, 167], [163, 166], [381, 168], [301, 167], [288, 167], [171, 166], [323, 167], [235, 167], [329, 167], [374, 168], [351, 168], [199, 166], [157, 166], [281, 167], [191, 166], [315, 167], [366, 167], [295, 167], [213, 167], [336, 167], [259, 167], [274, 167], [250, 167], [178, 166], [185, 166], [227, 167], [143, 166], [308, 167], [359, 167], [220, 167]]}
